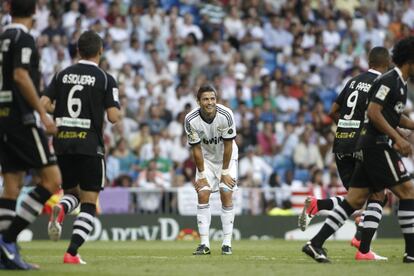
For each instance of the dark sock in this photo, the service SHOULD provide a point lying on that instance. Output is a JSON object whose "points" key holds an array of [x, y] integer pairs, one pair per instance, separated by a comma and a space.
{"points": [[82, 226], [359, 227], [372, 217], [30, 208], [329, 203], [334, 221], [7, 213], [406, 221]]}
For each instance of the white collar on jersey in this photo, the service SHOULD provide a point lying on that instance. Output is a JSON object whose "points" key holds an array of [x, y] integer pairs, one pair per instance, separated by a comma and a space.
{"points": [[400, 74], [375, 72], [16, 26], [83, 61]]}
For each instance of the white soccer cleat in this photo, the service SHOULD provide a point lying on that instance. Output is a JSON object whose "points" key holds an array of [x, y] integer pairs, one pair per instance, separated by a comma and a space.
{"points": [[54, 228], [308, 212]]}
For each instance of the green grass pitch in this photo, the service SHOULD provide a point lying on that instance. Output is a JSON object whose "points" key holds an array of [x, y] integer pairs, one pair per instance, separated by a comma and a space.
{"points": [[273, 257]]}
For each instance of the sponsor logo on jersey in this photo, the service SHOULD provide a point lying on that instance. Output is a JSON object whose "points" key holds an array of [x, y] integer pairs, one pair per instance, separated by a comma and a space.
{"points": [[214, 140], [349, 123]]}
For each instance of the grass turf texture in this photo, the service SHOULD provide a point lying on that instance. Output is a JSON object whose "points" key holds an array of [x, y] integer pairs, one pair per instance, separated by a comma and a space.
{"points": [[274, 257]]}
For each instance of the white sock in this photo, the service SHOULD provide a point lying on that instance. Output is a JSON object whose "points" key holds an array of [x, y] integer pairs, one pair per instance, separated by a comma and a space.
{"points": [[203, 222], [227, 219]]}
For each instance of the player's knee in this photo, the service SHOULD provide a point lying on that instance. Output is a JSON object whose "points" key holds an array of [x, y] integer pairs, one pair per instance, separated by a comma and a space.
{"points": [[406, 191], [51, 179], [378, 196], [204, 195]]}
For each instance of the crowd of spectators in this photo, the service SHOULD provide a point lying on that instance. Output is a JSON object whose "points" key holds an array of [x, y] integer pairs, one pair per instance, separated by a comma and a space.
{"points": [[278, 64]]}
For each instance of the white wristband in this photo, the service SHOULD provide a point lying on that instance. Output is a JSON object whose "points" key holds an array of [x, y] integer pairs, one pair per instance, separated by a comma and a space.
{"points": [[201, 175], [225, 171]]}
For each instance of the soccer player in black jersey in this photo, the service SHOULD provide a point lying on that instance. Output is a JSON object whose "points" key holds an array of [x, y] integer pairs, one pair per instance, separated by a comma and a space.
{"points": [[79, 96], [381, 149], [23, 145], [349, 111]]}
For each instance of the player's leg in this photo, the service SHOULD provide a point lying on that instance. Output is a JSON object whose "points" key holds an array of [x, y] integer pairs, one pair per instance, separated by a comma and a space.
{"points": [[355, 199], [227, 211], [203, 211], [70, 200], [31, 146], [345, 164], [11, 189], [405, 192], [227, 218], [91, 171], [372, 217]]}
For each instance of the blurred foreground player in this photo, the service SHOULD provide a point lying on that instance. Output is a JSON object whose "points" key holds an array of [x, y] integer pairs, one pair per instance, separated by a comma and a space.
{"points": [[23, 145]]}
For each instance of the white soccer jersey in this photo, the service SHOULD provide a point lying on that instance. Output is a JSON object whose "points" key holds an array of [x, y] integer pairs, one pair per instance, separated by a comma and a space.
{"points": [[211, 135]]}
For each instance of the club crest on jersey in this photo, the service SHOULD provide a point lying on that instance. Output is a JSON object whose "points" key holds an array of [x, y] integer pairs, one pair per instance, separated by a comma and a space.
{"points": [[399, 107]]}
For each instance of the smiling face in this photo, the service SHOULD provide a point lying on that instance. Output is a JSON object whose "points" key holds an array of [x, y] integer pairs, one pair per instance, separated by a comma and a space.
{"points": [[207, 103]]}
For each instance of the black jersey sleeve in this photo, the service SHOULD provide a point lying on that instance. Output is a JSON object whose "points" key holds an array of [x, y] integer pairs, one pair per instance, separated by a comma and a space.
{"points": [[341, 97], [112, 93], [23, 51], [380, 92]]}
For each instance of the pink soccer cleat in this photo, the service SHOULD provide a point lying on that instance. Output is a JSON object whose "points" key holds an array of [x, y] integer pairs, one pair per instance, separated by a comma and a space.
{"points": [[69, 259], [370, 256]]}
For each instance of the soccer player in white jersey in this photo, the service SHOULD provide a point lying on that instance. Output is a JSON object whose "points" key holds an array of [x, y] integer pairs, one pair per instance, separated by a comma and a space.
{"points": [[211, 131]]}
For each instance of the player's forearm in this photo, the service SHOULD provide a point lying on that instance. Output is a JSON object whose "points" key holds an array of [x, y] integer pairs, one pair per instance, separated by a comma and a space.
{"points": [[406, 122], [198, 157], [228, 149], [376, 117], [47, 104], [27, 89]]}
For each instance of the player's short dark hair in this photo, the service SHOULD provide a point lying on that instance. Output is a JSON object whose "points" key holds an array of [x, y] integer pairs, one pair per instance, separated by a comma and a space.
{"points": [[22, 8], [403, 51], [378, 57], [205, 88], [89, 44]]}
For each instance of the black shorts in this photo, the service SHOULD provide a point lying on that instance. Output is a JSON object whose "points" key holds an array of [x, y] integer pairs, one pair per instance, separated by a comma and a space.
{"points": [[84, 170], [380, 168], [345, 163], [23, 148]]}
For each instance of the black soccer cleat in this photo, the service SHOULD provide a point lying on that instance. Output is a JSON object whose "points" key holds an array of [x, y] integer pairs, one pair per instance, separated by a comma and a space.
{"points": [[408, 259], [226, 250], [202, 249], [316, 253]]}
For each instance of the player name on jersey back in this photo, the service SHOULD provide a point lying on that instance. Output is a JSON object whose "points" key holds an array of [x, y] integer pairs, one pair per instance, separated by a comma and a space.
{"points": [[78, 79]]}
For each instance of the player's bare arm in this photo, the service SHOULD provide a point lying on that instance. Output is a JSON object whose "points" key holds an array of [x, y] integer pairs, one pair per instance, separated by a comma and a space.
{"points": [[113, 114], [198, 159], [406, 122], [47, 104], [225, 174], [24, 82], [375, 115], [334, 112]]}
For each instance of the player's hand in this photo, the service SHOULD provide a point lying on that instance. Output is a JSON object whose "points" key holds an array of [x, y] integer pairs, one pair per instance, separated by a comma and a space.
{"points": [[403, 147], [200, 184], [226, 179], [49, 124]]}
